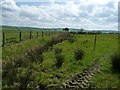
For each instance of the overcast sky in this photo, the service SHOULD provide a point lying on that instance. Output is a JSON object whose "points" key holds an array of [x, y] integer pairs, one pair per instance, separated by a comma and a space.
{"points": [[88, 14]]}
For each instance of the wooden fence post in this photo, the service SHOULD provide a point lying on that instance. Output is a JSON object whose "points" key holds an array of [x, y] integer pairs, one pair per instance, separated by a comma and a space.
{"points": [[3, 39], [30, 35], [42, 33], [95, 41], [46, 33], [37, 34], [20, 37], [49, 33]]}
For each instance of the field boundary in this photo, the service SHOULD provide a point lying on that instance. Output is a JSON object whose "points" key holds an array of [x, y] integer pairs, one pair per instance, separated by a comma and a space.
{"points": [[19, 35]]}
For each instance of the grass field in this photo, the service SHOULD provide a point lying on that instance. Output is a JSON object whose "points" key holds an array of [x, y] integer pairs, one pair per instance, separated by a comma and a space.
{"points": [[14, 35], [42, 69]]}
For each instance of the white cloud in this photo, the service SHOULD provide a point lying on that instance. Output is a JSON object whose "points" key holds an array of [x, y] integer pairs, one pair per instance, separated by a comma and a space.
{"points": [[89, 14], [9, 5]]}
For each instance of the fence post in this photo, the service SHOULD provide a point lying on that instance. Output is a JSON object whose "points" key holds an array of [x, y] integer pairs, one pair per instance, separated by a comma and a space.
{"points": [[20, 37], [46, 33], [95, 41], [49, 33], [3, 39], [30, 35], [37, 34], [42, 33]]}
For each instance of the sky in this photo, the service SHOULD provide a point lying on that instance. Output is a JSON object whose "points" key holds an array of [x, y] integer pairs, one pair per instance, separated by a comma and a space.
{"points": [[87, 14]]}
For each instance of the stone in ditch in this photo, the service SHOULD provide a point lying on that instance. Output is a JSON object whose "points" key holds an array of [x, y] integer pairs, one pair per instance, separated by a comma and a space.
{"points": [[70, 83], [82, 74], [98, 71], [78, 80], [86, 81], [91, 74], [84, 84], [78, 76], [81, 86], [64, 84]]}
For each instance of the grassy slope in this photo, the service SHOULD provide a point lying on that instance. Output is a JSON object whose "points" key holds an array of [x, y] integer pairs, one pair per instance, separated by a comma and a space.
{"points": [[20, 48], [105, 44], [14, 33], [106, 78], [46, 73]]}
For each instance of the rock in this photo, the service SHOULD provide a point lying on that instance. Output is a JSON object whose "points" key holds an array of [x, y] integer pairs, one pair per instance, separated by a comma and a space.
{"points": [[81, 86], [84, 84], [79, 81], [69, 86], [83, 74], [78, 76], [91, 74], [98, 71], [86, 81], [64, 84], [85, 71], [73, 83]]}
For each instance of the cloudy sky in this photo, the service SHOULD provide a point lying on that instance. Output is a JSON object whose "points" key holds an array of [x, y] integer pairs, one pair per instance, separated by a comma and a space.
{"points": [[88, 14]]}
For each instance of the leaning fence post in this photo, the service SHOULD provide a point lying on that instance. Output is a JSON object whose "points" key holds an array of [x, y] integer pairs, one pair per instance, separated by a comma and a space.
{"points": [[3, 39], [95, 41], [37, 34], [20, 37], [30, 35], [49, 33], [46, 33], [42, 33]]}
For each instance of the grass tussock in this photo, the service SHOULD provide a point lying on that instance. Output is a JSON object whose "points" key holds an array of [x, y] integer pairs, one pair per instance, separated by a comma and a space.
{"points": [[116, 62], [15, 76], [79, 54], [57, 50], [17, 72], [71, 39], [59, 60]]}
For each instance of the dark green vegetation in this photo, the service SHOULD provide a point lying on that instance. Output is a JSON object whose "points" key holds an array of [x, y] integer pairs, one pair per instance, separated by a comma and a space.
{"points": [[51, 60], [79, 54], [116, 62]]}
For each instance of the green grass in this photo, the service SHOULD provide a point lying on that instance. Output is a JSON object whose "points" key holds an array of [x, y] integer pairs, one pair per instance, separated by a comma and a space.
{"points": [[70, 66], [20, 48], [13, 36], [46, 73], [106, 78]]}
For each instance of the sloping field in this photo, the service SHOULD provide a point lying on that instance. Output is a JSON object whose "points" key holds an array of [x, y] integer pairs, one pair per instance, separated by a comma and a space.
{"points": [[64, 61]]}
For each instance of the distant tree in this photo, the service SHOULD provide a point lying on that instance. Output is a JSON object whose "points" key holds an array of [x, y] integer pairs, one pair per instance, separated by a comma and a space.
{"points": [[81, 30], [66, 29], [98, 32]]}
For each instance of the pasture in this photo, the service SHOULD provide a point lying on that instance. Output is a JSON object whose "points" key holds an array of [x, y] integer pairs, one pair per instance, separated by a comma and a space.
{"points": [[60, 60]]}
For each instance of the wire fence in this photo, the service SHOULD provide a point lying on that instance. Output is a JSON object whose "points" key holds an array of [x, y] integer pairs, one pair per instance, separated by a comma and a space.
{"points": [[9, 38]]}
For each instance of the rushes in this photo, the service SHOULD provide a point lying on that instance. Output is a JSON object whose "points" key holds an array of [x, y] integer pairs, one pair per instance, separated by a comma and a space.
{"points": [[59, 60], [116, 62], [58, 50], [79, 54], [18, 72], [15, 76]]}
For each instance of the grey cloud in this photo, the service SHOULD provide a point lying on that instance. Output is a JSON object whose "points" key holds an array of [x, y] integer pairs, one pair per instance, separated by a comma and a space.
{"points": [[110, 4], [112, 19], [104, 13], [69, 14]]}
